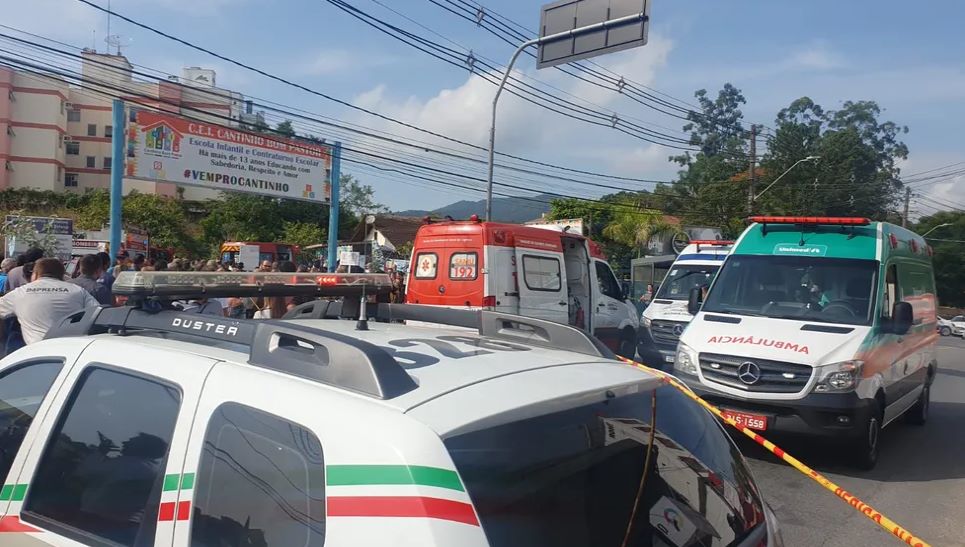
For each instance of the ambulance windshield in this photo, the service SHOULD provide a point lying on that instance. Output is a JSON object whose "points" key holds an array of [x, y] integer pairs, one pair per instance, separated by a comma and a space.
{"points": [[683, 277], [823, 290]]}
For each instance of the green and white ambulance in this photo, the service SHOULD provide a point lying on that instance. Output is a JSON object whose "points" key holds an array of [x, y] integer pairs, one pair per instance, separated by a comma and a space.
{"points": [[818, 326]]}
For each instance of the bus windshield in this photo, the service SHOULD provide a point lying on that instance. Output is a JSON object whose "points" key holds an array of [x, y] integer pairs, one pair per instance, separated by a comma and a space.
{"points": [[823, 290], [683, 277]]}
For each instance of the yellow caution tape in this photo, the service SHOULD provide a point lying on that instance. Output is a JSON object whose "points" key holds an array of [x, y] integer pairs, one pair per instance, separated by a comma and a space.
{"points": [[889, 525]]}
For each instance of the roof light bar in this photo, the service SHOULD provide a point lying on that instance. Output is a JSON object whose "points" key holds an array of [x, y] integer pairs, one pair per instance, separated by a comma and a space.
{"points": [[720, 242], [830, 221], [193, 285]]}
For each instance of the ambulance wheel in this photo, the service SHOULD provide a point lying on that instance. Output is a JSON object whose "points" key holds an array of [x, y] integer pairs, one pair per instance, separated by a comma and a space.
{"points": [[918, 414], [628, 345], [866, 446]]}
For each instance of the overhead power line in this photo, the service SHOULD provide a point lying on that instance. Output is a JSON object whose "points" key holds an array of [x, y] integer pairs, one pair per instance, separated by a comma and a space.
{"points": [[503, 28], [319, 93], [404, 167]]}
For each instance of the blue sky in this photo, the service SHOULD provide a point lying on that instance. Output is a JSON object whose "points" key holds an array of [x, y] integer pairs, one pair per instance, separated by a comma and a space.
{"points": [[906, 56]]}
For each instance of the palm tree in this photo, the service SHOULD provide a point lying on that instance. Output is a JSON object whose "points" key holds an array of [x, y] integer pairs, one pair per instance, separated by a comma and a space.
{"points": [[635, 227]]}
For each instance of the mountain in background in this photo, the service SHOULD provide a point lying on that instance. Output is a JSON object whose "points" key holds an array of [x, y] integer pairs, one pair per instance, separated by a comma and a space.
{"points": [[514, 210]]}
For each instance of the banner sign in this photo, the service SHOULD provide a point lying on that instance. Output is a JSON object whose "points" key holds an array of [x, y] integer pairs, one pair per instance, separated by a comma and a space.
{"points": [[60, 229], [166, 148]]}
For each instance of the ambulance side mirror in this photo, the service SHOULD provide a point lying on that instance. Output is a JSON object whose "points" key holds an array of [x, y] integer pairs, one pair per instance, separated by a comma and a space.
{"points": [[694, 301], [902, 316]]}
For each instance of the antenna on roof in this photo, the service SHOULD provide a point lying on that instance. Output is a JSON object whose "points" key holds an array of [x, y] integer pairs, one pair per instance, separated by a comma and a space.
{"points": [[117, 42]]}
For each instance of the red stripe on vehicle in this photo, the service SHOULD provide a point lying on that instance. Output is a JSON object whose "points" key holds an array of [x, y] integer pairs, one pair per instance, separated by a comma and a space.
{"points": [[778, 452], [401, 506], [184, 510], [166, 511], [13, 524]]}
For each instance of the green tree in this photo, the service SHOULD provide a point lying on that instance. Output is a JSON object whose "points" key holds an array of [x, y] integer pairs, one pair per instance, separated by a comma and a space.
{"points": [[161, 218], [303, 234], [710, 189], [856, 174], [634, 227], [357, 198], [949, 257], [285, 129]]}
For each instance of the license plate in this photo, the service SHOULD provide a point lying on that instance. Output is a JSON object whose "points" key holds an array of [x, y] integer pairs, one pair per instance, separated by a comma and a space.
{"points": [[668, 358], [750, 421]]}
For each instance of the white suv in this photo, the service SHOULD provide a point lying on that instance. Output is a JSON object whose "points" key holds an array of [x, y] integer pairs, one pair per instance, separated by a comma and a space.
{"points": [[142, 426]]}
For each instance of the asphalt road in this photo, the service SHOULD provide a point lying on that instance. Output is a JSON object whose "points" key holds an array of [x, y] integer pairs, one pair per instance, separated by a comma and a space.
{"points": [[919, 481]]}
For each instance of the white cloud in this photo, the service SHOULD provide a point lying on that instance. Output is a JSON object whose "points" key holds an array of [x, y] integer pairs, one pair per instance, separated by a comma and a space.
{"points": [[815, 56]]}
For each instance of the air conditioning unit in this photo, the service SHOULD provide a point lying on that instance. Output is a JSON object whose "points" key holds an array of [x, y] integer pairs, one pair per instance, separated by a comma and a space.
{"points": [[69, 105], [67, 138]]}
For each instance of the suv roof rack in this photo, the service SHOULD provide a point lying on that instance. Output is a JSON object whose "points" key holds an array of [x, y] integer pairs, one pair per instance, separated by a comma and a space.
{"points": [[325, 357], [492, 324]]}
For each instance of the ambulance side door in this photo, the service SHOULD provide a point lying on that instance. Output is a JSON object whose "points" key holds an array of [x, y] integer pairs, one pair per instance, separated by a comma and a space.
{"points": [[542, 291]]}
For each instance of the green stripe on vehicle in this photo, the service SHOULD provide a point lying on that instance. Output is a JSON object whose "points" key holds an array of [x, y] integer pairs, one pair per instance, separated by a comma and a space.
{"points": [[356, 475], [176, 481], [13, 492]]}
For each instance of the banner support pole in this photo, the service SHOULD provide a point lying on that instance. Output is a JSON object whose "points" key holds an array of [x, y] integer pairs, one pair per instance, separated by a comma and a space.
{"points": [[333, 210], [117, 175]]}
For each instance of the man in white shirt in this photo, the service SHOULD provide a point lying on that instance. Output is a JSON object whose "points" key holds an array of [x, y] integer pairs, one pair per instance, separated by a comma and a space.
{"points": [[45, 301]]}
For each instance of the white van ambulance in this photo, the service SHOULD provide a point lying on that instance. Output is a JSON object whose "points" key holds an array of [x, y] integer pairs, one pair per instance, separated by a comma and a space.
{"points": [[664, 319], [819, 326], [525, 270]]}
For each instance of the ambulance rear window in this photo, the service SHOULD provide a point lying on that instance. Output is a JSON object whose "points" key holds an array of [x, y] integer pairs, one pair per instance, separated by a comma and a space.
{"points": [[463, 266], [426, 265], [571, 478]]}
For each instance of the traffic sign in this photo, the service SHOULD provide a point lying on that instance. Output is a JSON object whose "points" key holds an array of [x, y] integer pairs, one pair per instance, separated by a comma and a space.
{"points": [[618, 29]]}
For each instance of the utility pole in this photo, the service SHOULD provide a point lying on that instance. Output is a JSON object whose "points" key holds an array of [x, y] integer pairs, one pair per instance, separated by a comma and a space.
{"points": [[904, 216], [753, 174]]}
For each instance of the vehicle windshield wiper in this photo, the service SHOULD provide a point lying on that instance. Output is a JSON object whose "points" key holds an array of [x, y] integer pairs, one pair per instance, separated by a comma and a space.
{"points": [[729, 312]]}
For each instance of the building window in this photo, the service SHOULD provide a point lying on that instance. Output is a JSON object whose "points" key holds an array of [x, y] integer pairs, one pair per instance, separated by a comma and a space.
{"points": [[73, 148], [107, 163], [92, 130], [73, 115], [108, 131], [132, 115], [70, 180], [91, 162]]}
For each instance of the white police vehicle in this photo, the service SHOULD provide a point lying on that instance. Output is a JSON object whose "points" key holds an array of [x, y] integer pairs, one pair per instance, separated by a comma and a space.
{"points": [[140, 426]]}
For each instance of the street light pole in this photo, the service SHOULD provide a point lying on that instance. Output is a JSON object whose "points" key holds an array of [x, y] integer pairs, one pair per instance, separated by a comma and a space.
{"points": [[512, 61], [935, 228], [809, 158]]}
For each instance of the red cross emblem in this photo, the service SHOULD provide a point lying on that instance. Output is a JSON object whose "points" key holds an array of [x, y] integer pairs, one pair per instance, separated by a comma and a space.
{"points": [[426, 264]]}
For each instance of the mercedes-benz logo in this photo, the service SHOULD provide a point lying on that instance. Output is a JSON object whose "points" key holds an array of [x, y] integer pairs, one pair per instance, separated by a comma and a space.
{"points": [[749, 373], [678, 330]]}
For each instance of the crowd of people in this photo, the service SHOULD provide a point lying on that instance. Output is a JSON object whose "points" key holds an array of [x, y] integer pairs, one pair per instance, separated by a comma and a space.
{"points": [[38, 293]]}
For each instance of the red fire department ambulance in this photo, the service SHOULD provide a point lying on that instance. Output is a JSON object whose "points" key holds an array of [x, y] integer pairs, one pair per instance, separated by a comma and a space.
{"points": [[525, 270]]}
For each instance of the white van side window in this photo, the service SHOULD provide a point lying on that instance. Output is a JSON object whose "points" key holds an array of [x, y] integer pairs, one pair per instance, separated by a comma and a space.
{"points": [[541, 273], [426, 265]]}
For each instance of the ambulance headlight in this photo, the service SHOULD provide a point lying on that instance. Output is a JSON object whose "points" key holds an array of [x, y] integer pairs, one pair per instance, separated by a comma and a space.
{"points": [[645, 321], [686, 361], [838, 377]]}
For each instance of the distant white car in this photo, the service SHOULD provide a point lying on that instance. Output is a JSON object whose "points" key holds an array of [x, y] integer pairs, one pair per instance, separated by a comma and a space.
{"points": [[945, 327], [958, 325]]}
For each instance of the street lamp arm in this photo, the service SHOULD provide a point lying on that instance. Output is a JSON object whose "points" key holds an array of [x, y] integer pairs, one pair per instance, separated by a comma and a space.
{"points": [[809, 158], [509, 68], [935, 228]]}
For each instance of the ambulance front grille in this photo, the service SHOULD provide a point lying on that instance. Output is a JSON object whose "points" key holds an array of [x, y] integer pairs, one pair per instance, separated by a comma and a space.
{"points": [[772, 376], [666, 332]]}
